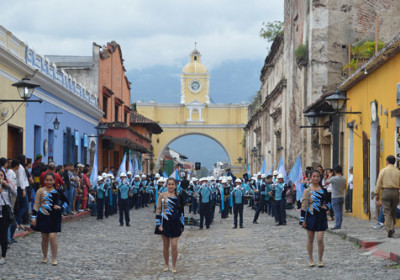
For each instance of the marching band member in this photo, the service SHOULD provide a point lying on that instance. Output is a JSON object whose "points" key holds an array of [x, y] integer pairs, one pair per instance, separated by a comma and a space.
{"points": [[99, 188], [135, 189], [237, 195], [205, 198], [225, 195], [124, 188], [143, 191], [280, 200], [162, 187]]}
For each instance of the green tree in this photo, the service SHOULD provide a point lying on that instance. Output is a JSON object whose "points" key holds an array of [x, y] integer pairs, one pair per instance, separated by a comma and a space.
{"points": [[204, 172], [270, 30]]}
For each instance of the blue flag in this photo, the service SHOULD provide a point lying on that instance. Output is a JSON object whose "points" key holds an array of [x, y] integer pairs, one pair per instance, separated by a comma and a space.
{"points": [[248, 171], [281, 169], [264, 166], [122, 167], [130, 166], [270, 171], [136, 170], [165, 175], [296, 175], [95, 170]]}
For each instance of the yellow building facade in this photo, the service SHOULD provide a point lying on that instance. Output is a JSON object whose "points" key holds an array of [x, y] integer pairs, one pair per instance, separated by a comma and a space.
{"points": [[373, 90], [12, 114], [195, 115]]}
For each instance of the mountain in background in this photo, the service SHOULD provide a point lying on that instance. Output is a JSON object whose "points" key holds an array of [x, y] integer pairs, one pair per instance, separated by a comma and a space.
{"points": [[230, 82]]}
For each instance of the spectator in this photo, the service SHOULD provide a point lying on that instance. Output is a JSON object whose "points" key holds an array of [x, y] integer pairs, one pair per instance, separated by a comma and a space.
{"points": [[389, 184], [86, 187], [349, 193], [12, 180], [51, 168], [3, 164], [338, 182], [22, 185], [6, 194]]}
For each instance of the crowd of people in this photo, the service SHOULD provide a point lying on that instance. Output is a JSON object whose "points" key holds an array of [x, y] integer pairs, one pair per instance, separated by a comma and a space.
{"points": [[38, 195]]}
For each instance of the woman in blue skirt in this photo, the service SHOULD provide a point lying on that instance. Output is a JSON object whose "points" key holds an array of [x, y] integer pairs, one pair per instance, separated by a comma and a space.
{"points": [[170, 221], [313, 216]]}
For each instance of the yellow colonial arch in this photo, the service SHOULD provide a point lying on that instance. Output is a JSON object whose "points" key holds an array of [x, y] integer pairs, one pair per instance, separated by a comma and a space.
{"points": [[195, 114], [159, 158]]}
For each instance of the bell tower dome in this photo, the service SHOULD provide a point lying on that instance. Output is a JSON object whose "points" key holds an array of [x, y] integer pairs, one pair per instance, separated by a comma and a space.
{"points": [[195, 80]]}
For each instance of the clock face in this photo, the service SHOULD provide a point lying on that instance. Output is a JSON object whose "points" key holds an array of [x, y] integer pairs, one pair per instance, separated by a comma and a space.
{"points": [[195, 86]]}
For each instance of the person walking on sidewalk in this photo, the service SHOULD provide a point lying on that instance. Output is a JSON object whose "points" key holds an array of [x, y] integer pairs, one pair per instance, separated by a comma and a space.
{"points": [[338, 182], [389, 184], [313, 216]]}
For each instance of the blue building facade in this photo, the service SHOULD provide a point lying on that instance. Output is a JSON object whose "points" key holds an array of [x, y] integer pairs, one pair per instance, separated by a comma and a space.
{"points": [[75, 108]]}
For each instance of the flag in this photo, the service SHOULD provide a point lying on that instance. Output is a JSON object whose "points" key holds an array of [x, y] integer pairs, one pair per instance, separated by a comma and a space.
{"points": [[281, 169], [130, 166], [248, 171], [270, 171], [136, 170], [165, 175], [95, 170], [175, 175], [296, 175], [264, 166], [122, 167]]}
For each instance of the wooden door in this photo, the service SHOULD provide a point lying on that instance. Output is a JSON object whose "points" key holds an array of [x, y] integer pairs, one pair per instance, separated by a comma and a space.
{"points": [[14, 142], [365, 173]]}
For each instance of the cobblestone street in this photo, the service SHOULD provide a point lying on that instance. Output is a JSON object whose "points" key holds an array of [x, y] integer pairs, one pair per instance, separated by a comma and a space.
{"points": [[90, 249]]}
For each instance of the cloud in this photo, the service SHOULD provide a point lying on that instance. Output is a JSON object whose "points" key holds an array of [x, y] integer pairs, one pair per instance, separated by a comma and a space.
{"points": [[150, 32]]}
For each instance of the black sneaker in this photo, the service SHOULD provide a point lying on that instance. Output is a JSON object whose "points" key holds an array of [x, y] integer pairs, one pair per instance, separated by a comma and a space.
{"points": [[390, 233], [241, 226], [255, 222], [121, 225], [235, 227], [128, 225]]}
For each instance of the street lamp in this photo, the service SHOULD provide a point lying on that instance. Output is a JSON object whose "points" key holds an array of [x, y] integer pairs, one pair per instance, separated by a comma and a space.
{"points": [[25, 90], [101, 128], [337, 101], [56, 124], [313, 117]]}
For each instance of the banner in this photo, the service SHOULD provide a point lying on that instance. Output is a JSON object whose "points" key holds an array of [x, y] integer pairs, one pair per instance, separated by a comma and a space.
{"points": [[122, 167], [95, 170], [281, 169]]}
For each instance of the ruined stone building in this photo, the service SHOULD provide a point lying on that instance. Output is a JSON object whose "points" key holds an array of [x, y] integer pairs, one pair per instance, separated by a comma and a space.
{"points": [[305, 65]]}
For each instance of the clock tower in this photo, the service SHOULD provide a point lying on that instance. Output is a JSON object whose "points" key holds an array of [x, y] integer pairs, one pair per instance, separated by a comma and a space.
{"points": [[195, 81]]}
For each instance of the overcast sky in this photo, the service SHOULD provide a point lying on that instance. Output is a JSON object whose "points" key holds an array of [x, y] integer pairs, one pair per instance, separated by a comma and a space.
{"points": [[156, 37], [150, 32]]}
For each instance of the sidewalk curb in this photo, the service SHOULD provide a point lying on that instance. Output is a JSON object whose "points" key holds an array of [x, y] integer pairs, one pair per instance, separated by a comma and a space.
{"points": [[65, 219], [366, 245]]}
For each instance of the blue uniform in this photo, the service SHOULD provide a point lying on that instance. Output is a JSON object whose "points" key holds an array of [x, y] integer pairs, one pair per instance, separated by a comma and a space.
{"points": [[237, 194], [205, 207], [124, 189]]}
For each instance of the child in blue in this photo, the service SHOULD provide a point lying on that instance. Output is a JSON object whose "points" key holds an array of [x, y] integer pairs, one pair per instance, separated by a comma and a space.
{"points": [[99, 188], [237, 195], [124, 188]]}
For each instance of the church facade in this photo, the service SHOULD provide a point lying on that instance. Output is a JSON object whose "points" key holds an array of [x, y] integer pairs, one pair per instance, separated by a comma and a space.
{"points": [[196, 115]]}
